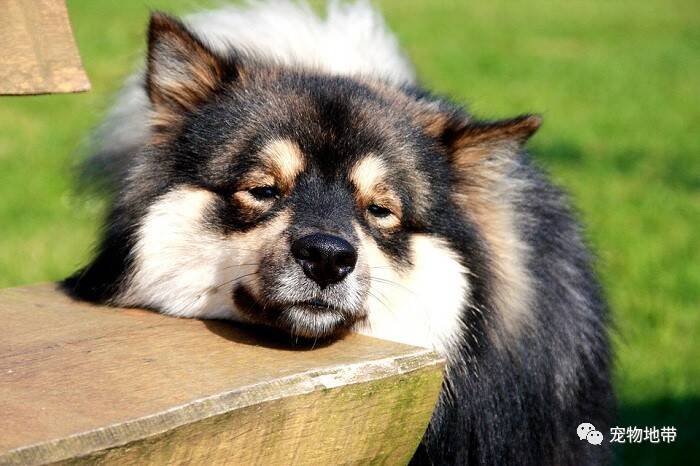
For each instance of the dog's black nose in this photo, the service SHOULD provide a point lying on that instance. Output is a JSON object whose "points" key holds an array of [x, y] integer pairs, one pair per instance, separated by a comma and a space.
{"points": [[325, 259]]}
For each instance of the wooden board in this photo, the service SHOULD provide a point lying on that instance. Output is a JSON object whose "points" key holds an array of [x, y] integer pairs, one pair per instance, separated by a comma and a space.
{"points": [[38, 53], [88, 384]]}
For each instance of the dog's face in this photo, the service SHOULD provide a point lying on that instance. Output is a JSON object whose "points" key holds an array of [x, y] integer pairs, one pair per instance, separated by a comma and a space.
{"points": [[301, 201], [294, 192], [295, 184]]}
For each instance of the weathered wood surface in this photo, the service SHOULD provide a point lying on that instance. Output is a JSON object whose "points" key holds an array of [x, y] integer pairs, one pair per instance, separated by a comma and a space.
{"points": [[37, 52], [85, 384]]}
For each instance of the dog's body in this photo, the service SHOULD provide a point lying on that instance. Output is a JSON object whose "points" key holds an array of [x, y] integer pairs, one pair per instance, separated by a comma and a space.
{"points": [[274, 168]]}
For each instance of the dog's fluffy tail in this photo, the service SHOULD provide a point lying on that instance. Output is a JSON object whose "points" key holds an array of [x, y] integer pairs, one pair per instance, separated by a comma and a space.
{"points": [[352, 39]]}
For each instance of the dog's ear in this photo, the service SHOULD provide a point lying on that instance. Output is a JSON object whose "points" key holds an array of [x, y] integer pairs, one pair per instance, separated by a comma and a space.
{"points": [[469, 143], [181, 71]]}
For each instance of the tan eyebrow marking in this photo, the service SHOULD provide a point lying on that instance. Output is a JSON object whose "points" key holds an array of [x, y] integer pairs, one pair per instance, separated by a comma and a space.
{"points": [[256, 179], [284, 159], [281, 161], [368, 176]]}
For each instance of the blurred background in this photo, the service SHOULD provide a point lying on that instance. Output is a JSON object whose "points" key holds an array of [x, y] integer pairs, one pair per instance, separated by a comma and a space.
{"points": [[618, 84]]}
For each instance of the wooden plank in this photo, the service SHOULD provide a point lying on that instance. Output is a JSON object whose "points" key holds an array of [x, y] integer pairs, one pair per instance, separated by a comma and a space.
{"points": [[39, 54], [88, 384]]}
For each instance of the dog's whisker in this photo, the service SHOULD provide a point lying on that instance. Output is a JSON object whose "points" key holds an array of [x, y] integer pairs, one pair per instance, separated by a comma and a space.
{"points": [[398, 285], [234, 280], [381, 301], [244, 249], [219, 286], [241, 265]]}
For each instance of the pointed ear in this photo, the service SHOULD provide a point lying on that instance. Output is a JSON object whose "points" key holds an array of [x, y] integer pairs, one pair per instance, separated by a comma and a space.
{"points": [[473, 141], [181, 70]]}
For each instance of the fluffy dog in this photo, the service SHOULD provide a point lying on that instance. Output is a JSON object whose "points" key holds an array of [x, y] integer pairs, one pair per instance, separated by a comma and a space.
{"points": [[276, 168]]}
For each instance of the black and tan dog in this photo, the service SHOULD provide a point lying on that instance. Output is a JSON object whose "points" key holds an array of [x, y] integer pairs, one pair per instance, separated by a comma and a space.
{"points": [[275, 168]]}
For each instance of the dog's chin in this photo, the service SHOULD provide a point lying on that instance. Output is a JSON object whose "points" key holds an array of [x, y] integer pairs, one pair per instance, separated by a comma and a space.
{"points": [[307, 319]]}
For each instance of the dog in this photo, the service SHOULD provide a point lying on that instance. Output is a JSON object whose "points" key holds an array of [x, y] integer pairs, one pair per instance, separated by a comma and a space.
{"points": [[281, 169]]}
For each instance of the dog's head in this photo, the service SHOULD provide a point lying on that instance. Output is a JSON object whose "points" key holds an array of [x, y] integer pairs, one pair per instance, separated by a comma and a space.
{"points": [[284, 197]]}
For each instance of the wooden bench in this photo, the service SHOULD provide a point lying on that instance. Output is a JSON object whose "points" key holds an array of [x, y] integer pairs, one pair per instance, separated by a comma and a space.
{"points": [[86, 384], [39, 54]]}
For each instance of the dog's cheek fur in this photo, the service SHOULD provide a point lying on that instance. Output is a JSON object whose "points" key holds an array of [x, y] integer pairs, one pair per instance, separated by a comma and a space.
{"points": [[420, 303], [184, 266], [488, 196]]}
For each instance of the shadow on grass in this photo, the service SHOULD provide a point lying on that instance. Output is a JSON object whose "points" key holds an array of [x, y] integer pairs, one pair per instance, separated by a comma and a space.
{"points": [[676, 169], [683, 414], [558, 152]]}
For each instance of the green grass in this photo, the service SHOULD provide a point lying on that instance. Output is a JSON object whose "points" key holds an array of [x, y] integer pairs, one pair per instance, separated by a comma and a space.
{"points": [[618, 85]]}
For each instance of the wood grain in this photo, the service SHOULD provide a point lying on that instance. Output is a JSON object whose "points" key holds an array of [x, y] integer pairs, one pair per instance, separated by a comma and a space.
{"points": [[38, 54], [88, 384]]}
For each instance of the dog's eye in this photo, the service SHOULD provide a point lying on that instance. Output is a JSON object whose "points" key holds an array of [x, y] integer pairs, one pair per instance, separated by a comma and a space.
{"points": [[265, 193], [378, 211]]}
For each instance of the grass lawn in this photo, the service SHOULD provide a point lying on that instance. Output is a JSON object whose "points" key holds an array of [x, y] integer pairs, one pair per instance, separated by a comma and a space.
{"points": [[618, 85]]}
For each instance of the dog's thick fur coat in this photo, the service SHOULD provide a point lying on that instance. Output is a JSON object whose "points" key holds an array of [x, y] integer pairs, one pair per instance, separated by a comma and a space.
{"points": [[252, 129]]}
